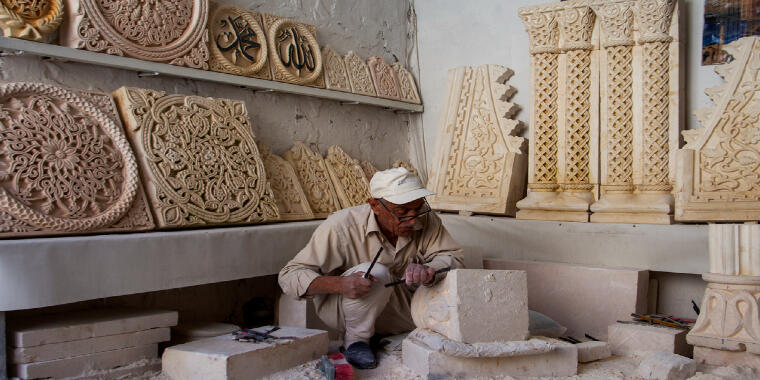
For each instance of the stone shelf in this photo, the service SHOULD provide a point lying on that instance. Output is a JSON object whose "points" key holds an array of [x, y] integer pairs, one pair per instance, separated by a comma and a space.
{"points": [[14, 46]]}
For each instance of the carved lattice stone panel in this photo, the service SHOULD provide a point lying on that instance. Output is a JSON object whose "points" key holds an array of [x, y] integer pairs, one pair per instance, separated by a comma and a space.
{"points": [[132, 29], [294, 53], [384, 78], [30, 20], [291, 200], [237, 43], [358, 75], [314, 178], [336, 76], [368, 169], [406, 84], [198, 158], [479, 165], [65, 164], [351, 186], [719, 167]]}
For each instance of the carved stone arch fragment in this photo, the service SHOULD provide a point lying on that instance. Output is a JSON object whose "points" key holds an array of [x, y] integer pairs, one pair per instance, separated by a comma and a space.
{"points": [[336, 76], [359, 75], [407, 85], [290, 198], [351, 187], [315, 180], [384, 78]]}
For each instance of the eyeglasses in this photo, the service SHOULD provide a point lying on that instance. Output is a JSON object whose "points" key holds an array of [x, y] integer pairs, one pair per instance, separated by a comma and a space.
{"points": [[425, 206]]}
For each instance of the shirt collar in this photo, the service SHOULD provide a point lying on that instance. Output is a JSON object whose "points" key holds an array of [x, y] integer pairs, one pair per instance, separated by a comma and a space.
{"points": [[372, 225]]}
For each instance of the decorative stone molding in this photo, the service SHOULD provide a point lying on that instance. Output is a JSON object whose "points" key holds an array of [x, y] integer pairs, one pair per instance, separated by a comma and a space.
{"points": [[479, 164], [336, 76], [359, 75], [288, 194], [406, 84], [314, 178], [369, 170], [30, 20], [65, 164], [294, 54], [719, 167], [351, 186], [129, 28], [384, 78], [198, 158], [237, 43]]}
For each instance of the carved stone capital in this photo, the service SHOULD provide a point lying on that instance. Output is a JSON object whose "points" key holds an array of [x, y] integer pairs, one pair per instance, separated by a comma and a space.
{"points": [[653, 18], [617, 23], [577, 24], [542, 27]]}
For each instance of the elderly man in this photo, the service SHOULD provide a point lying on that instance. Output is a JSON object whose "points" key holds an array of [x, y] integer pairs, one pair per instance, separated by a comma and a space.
{"points": [[413, 244]]}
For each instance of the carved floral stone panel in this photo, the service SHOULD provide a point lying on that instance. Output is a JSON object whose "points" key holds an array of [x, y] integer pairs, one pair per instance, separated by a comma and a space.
{"points": [[359, 75], [314, 178], [294, 54], [198, 158], [34, 20], [336, 76], [406, 84], [237, 43], [479, 164], [65, 165], [291, 200], [384, 78], [347, 175], [719, 167], [369, 170], [166, 31]]}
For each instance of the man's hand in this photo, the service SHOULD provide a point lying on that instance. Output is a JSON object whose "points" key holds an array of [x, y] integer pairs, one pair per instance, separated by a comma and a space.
{"points": [[418, 274], [356, 286]]}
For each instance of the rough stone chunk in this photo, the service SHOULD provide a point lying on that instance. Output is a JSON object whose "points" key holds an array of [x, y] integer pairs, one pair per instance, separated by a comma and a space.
{"points": [[666, 366], [81, 365], [591, 351], [715, 357], [440, 343], [475, 306], [627, 339], [223, 358]]}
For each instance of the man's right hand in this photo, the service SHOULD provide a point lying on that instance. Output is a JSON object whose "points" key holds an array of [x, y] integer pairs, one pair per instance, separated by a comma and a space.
{"points": [[355, 286]]}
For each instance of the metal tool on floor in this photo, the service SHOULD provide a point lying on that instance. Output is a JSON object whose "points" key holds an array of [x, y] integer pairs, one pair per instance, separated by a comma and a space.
{"points": [[403, 280], [335, 367], [253, 336]]}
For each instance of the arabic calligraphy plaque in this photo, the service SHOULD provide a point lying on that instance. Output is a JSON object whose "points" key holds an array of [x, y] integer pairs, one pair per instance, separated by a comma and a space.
{"points": [[237, 43], [294, 54]]}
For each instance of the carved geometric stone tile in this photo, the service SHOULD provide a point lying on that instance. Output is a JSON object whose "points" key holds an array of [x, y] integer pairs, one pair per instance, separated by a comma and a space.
{"points": [[351, 185], [30, 20], [129, 28], [291, 200], [384, 78], [336, 76], [406, 84], [719, 167], [358, 75], [65, 164], [369, 170], [479, 165], [198, 158], [405, 165], [237, 43], [314, 178], [294, 54]]}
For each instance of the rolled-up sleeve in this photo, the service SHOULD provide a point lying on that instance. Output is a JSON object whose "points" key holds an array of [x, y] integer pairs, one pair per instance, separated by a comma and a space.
{"points": [[439, 248]]}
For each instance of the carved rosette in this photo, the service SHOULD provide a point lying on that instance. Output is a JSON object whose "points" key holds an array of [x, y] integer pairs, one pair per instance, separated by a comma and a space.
{"points": [[132, 29], [294, 54], [200, 163], [314, 178], [384, 78], [359, 75], [351, 187], [406, 84], [30, 20], [65, 165], [237, 43], [336, 76], [291, 200]]}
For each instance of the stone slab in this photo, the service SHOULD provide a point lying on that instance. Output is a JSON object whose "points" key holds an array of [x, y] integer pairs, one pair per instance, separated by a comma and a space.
{"points": [[223, 358], [627, 339], [592, 350], [80, 365], [47, 329], [712, 356], [597, 298], [431, 364], [666, 366], [74, 348]]}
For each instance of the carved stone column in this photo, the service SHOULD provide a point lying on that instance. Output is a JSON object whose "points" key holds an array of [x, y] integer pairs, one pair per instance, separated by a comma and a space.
{"points": [[728, 328]]}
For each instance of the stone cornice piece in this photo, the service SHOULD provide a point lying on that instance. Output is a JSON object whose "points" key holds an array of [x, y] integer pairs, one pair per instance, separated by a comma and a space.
{"points": [[237, 42], [351, 186], [30, 20], [359, 75], [315, 180], [288, 194]]}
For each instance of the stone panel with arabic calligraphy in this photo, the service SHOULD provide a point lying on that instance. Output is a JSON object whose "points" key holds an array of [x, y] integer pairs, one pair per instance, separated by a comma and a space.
{"points": [[31, 20], [237, 43], [294, 54]]}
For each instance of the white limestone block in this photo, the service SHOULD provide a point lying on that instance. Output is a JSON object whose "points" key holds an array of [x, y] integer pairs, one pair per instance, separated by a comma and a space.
{"points": [[47, 329], [592, 350], [666, 366], [223, 358], [475, 306], [627, 339], [431, 364], [81, 365]]}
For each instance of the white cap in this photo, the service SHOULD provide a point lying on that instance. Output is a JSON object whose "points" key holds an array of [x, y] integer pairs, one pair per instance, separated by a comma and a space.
{"points": [[397, 185]]}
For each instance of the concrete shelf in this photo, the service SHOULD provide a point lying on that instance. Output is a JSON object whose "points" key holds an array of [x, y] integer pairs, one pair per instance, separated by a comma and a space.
{"points": [[14, 46]]}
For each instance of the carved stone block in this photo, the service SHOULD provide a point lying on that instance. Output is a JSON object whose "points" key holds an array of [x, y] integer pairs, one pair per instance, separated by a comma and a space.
{"points": [[130, 29], [65, 164], [369, 170], [30, 20], [719, 167], [291, 200], [197, 158], [314, 178], [384, 78], [336, 76], [406, 84], [294, 54], [358, 75], [237, 43], [479, 165], [405, 165], [351, 186]]}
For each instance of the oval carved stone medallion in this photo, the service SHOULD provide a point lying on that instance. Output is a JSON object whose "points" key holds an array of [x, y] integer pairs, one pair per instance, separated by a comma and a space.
{"points": [[30, 19], [237, 42], [294, 53]]}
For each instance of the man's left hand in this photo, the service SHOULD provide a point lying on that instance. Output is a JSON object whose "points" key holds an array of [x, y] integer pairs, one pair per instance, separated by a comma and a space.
{"points": [[418, 274]]}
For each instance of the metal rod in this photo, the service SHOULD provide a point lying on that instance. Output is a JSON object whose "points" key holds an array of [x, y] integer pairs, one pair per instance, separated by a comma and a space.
{"points": [[403, 280], [144, 74], [372, 264]]}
